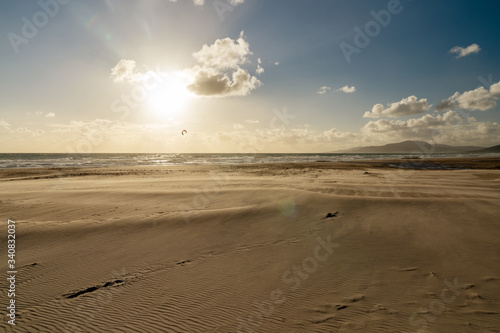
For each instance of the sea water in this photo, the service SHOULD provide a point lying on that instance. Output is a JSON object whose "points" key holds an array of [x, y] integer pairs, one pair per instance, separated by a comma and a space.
{"points": [[119, 160]]}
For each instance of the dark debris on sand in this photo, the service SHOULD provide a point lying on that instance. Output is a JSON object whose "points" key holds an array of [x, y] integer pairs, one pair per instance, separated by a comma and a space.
{"points": [[331, 215]]}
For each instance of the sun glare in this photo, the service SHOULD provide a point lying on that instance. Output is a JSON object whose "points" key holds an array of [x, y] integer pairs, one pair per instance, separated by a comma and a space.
{"points": [[170, 97]]}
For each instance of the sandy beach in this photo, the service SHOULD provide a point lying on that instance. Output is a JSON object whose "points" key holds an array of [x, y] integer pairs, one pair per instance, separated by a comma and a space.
{"points": [[318, 247]]}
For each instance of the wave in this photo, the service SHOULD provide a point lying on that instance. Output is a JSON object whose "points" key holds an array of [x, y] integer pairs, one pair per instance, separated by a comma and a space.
{"points": [[120, 160]]}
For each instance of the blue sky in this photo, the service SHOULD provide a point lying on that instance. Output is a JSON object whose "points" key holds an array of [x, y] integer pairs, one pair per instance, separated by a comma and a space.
{"points": [[246, 75]]}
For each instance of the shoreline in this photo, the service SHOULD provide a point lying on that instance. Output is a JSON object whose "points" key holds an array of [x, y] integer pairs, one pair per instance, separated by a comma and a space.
{"points": [[464, 163], [32, 161]]}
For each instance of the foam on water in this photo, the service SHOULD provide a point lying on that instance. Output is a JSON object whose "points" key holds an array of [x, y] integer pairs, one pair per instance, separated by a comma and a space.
{"points": [[117, 160]]}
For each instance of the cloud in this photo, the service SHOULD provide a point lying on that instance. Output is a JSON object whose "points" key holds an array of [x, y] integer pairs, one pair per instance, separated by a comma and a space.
{"points": [[347, 89], [425, 122], [219, 72], [4, 125], [202, 2], [259, 70], [46, 115], [224, 53], [479, 99], [450, 128], [250, 121], [405, 107], [463, 52], [212, 83], [495, 88], [101, 135], [335, 135], [323, 90], [21, 139], [125, 71]]}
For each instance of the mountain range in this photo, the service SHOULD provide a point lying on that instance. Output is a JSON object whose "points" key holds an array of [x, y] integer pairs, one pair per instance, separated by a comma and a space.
{"points": [[419, 147]]}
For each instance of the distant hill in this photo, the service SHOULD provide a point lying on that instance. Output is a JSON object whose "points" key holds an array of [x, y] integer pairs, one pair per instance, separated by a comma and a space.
{"points": [[494, 149], [413, 147]]}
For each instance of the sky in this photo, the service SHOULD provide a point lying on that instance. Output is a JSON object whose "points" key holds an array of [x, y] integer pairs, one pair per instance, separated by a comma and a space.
{"points": [[246, 76]]}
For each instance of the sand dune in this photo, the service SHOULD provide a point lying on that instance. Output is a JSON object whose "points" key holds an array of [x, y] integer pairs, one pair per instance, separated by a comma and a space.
{"points": [[251, 249]]}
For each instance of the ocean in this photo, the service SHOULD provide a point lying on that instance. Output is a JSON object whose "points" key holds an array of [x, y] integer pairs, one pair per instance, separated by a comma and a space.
{"points": [[120, 160]]}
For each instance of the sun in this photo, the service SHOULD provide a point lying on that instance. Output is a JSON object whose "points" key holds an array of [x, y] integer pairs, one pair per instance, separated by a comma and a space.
{"points": [[170, 96]]}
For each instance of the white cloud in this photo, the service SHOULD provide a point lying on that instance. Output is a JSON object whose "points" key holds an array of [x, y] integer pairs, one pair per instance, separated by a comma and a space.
{"points": [[479, 99], [4, 125], [21, 139], [323, 90], [463, 52], [250, 121], [102, 135], [347, 89], [425, 122], [259, 70], [219, 72], [495, 88], [238, 126], [405, 107], [450, 128], [125, 71], [334, 135], [41, 113], [224, 53]]}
